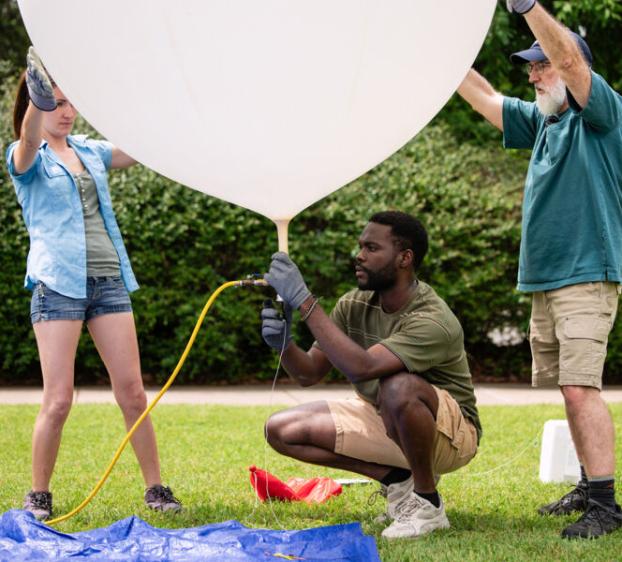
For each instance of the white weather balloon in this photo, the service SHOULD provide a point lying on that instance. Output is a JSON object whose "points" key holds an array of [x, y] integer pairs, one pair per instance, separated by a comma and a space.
{"points": [[267, 104]]}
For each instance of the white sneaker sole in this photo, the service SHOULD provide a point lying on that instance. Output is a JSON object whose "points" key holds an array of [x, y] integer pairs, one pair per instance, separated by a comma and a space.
{"points": [[404, 530]]}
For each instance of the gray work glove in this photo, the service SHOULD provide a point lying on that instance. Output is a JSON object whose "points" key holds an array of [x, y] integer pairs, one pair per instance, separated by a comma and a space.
{"points": [[287, 281], [520, 6], [38, 83], [276, 328]]}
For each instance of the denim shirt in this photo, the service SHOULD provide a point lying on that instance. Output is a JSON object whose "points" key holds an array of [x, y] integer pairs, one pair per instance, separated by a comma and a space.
{"points": [[53, 215]]}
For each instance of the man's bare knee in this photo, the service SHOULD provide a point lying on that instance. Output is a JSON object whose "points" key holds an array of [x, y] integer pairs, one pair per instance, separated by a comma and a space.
{"points": [[274, 428], [404, 391], [288, 427], [307, 424], [576, 396]]}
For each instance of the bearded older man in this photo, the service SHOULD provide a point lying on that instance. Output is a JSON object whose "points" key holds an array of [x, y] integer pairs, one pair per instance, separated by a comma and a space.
{"points": [[571, 247]]}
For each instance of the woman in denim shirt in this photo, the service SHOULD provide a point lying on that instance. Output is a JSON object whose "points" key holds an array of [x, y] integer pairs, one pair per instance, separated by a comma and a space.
{"points": [[79, 272]]}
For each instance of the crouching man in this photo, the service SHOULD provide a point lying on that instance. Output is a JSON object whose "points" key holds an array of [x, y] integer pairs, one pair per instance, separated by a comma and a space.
{"points": [[399, 344]]}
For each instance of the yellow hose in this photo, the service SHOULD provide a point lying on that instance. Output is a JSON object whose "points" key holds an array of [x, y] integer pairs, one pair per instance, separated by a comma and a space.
{"points": [[169, 382]]}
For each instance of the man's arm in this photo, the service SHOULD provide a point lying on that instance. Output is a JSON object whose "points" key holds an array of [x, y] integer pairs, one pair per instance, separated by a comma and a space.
{"points": [[337, 349], [563, 52], [306, 368], [482, 97], [356, 363]]}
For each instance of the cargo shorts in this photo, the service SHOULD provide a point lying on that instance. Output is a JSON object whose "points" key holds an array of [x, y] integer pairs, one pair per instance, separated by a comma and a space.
{"points": [[361, 434], [568, 333]]}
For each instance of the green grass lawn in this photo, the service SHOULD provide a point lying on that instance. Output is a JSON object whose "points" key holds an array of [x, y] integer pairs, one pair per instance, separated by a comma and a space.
{"points": [[206, 451]]}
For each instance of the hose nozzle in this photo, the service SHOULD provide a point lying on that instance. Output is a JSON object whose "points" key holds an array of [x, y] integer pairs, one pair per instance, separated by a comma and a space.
{"points": [[253, 280]]}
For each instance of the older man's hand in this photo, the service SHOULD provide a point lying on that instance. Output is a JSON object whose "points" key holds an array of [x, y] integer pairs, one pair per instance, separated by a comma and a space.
{"points": [[286, 279]]}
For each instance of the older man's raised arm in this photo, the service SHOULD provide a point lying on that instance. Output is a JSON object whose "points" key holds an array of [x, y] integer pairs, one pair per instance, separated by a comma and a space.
{"points": [[482, 97]]}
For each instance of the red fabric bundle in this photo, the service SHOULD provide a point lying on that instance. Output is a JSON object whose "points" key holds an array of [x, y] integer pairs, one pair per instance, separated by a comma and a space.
{"points": [[310, 490]]}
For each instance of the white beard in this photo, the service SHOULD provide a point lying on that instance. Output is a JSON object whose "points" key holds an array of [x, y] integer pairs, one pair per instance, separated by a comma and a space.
{"points": [[551, 102]]}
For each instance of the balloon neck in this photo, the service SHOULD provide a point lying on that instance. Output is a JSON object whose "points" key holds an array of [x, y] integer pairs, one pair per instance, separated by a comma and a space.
{"points": [[282, 226]]}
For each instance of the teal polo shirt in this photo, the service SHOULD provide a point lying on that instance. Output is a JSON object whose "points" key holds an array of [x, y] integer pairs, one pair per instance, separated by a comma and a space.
{"points": [[572, 205]]}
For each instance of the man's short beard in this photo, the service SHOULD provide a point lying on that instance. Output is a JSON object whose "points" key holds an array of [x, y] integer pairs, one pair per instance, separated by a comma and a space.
{"points": [[379, 280], [553, 100]]}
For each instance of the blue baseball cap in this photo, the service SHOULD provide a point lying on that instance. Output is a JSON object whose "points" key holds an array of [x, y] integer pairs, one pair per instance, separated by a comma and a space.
{"points": [[536, 54]]}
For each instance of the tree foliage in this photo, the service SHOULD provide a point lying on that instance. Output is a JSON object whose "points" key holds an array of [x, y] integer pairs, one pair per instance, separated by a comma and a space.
{"points": [[598, 21], [454, 176], [13, 40], [183, 244]]}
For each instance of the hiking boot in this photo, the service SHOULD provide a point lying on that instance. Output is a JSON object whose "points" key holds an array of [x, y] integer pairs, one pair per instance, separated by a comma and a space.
{"points": [[575, 500], [39, 504], [161, 498], [414, 517], [597, 520]]}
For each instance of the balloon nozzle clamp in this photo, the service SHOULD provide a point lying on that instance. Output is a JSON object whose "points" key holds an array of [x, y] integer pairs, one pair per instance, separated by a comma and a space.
{"points": [[253, 280], [256, 280]]}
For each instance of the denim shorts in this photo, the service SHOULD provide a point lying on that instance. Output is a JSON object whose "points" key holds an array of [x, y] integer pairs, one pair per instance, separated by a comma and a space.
{"points": [[104, 295]]}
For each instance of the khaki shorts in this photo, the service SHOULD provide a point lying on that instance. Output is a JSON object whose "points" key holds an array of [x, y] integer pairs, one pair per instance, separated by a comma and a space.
{"points": [[361, 434], [568, 333]]}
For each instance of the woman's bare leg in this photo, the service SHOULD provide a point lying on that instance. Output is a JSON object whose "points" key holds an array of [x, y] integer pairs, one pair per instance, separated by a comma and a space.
{"points": [[57, 341], [115, 338]]}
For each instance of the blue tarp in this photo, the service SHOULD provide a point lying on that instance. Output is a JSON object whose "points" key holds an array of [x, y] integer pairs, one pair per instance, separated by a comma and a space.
{"points": [[23, 538]]}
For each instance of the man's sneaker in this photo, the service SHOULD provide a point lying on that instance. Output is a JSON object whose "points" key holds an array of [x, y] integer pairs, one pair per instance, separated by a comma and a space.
{"points": [[597, 520], [575, 500], [161, 498], [414, 517], [395, 493], [39, 504]]}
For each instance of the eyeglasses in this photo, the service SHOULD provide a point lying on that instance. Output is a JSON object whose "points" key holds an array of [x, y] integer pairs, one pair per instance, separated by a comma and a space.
{"points": [[537, 67]]}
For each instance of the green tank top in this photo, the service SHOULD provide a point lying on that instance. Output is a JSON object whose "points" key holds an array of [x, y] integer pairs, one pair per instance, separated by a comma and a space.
{"points": [[101, 257]]}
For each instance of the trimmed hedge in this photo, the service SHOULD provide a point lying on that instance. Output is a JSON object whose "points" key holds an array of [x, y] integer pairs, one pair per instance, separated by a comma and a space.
{"points": [[184, 244]]}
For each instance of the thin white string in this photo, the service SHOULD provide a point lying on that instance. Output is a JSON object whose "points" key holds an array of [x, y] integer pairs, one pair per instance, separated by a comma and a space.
{"points": [[265, 442], [533, 442], [270, 405]]}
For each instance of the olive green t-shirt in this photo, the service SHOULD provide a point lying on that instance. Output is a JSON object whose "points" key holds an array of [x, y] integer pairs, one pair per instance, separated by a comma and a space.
{"points": [[424, 334]]}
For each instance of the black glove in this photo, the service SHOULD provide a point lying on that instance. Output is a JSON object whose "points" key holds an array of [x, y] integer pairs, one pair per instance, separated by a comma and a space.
{"points": [[276, 328], [38, 83]]}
